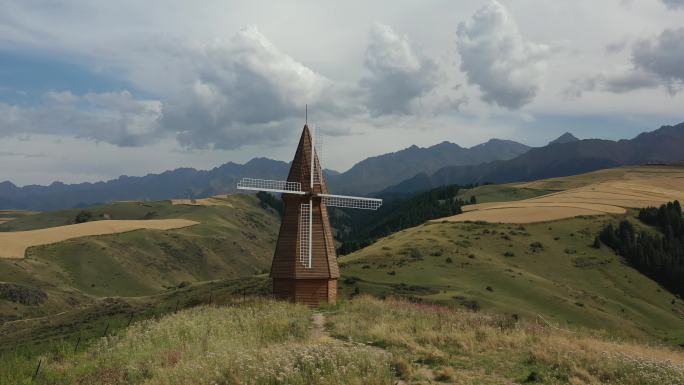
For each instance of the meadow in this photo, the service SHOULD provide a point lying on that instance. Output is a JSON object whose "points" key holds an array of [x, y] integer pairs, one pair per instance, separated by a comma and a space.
{"points": [[547, 269], [361, 341]]}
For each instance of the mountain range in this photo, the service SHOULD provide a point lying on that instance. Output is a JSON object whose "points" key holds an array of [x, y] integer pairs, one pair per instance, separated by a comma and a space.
{"points": [[560, 158], [372, 174], [406, 171]]}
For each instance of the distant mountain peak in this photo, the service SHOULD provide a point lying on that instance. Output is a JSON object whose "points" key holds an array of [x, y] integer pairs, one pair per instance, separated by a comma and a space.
{"points": [[565, 138]]}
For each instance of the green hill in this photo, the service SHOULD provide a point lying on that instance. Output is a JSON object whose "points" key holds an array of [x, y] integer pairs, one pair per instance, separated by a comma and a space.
{"points": [[548, 271], [234, 239]]}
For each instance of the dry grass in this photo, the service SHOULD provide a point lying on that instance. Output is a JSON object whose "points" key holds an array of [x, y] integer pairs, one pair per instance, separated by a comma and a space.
{"points": [[262, 342], [14, 244], [218, 200], [476, 348], [602, 192]]}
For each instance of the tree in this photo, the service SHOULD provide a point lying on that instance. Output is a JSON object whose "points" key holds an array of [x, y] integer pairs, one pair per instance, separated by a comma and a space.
{"points": [[83, 216]]}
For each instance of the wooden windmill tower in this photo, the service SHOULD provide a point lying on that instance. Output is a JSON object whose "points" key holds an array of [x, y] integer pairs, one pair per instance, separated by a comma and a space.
{"points": [[304, 267]]}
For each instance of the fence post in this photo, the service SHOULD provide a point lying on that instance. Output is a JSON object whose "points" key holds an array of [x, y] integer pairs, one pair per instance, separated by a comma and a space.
{"points": [[130, 320], [40, 361], [106, 329], [78, 342]]}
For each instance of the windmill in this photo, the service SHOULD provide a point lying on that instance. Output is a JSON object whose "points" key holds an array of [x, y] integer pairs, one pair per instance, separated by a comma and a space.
{"points": [[304, 267]]}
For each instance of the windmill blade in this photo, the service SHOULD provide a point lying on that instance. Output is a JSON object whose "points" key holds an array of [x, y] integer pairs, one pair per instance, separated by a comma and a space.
{"points": [[317, 156], [305, 218], [276, 186], [351, 202]]}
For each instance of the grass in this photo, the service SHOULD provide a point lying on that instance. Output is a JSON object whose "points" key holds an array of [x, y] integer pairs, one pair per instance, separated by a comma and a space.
{"points": [[260, 342], [501, 193], [548, 269], [432, 343], [229, 242], [371, 341], [23, 341]]}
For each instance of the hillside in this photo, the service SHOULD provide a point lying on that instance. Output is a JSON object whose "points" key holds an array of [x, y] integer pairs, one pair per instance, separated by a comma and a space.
{"points": [[364, 341], [233, 239], [611, 191], [550, 268], [544, 268], [663, 145]]}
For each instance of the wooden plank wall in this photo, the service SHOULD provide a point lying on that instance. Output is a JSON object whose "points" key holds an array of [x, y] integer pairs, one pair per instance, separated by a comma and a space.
{"points": [[311, 292]]}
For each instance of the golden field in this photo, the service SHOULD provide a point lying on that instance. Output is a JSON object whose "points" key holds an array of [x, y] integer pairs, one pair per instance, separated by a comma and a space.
{"points": [[609, 191], [14, 244]]}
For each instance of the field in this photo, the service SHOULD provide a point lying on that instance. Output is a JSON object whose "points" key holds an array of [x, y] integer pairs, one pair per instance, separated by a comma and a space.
{"points": [[219, 200], [229, 241], [363, 341], [548, 270], [9, 215], [598, 193], [14, 244]]}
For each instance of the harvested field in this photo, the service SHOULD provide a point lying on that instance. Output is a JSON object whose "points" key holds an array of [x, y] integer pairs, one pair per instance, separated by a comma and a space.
{"points": [[602, 192], [218, 200], [14, 244]]}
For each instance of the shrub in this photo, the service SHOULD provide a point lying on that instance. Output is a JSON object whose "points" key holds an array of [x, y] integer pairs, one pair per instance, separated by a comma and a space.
{"points": [[83, 216], [536, 247]]}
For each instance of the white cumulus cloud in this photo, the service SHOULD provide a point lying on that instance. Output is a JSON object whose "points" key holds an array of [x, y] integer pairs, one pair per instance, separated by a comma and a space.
{"points": [[494, 55], [398, 77], [239, 91]]}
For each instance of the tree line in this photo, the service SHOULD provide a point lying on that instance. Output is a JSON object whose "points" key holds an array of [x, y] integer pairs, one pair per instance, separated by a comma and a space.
{"points": [[659, 256], [356, 229]]}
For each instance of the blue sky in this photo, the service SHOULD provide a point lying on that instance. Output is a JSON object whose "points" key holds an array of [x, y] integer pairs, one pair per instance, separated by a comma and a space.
{"points": [[90, 91]]}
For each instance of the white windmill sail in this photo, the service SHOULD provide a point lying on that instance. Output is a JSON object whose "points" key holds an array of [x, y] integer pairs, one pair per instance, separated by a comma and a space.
{"points": [[351, 202], [276, 186]]}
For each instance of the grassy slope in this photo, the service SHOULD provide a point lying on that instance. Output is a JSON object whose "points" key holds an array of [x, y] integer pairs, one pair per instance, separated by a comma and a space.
{"points": [[568, 282], [365, 341], [257, 342], [231, 241], [501, 193]]}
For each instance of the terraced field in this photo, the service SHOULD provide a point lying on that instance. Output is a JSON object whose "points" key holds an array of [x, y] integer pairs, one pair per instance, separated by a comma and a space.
{"points": [[598, 193]]}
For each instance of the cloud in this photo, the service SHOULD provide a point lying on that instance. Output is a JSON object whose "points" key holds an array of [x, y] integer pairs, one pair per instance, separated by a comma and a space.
{"points": [[655, 62], [240, 91], [508, 70], [618, 83], [674, 4], [663, 57], [112, 117], [398, 76]]}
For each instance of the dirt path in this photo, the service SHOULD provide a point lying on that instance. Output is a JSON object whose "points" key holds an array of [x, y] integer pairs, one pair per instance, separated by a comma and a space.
{"points": [[318, 329]]}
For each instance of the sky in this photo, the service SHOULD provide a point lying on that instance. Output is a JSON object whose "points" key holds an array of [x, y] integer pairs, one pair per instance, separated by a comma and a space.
{"points": [[93, 90]]}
